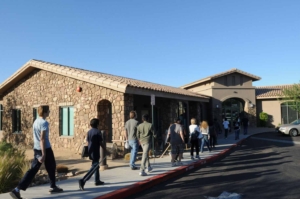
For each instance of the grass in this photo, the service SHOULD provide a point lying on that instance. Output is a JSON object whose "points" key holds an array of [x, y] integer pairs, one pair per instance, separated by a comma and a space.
{"points": [[13, 165]]}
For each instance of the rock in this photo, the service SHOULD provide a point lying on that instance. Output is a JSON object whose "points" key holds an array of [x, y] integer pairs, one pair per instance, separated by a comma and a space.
{"points": [[70, 174]]}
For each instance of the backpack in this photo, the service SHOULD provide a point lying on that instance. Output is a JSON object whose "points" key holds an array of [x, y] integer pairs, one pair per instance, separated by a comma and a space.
{"points": [[194, 135]]}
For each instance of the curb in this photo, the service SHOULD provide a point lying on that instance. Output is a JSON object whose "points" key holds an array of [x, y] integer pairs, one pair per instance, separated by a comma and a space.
{"points": [[148, 183]]}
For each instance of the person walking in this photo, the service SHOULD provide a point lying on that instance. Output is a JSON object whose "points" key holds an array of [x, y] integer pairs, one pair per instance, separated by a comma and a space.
{"points": [[145, 133], [94, 141], [213, 134], [206, 135], [175, 133], [42, 154], [245, 124], [226, 127], [130, 135], [237, 131], [194, 137]]}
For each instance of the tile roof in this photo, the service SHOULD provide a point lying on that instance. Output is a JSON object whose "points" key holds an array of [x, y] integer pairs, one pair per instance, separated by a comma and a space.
{"points": [[270, 91], [106, 80], [234, 70]]}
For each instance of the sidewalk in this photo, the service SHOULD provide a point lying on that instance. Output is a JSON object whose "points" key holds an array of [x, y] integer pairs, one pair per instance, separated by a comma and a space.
{"points": [[121, 180]]}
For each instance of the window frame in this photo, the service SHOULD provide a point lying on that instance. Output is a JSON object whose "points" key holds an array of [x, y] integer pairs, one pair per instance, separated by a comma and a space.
{"points": [[69, 126]]}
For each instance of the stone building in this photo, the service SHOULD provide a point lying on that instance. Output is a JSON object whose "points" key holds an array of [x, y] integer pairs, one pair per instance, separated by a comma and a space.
{"points": [[75, 96]]}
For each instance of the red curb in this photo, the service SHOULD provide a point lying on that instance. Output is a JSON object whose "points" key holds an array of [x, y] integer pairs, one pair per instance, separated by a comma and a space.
{"points": [[150, 182]]}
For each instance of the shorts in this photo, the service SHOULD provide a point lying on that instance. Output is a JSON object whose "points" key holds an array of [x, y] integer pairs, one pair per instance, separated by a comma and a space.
{"points": [[177, 149]]}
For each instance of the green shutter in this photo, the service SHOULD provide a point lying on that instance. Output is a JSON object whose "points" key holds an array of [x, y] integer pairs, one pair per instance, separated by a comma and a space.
{"points": [[19, 120], [14, 120], [71, 121], [65, 126], [34, 113], [1, 113]]}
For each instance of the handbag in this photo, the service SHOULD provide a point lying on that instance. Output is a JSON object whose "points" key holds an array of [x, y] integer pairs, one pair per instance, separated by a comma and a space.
{"points": [[127, 146], [85, 152]]}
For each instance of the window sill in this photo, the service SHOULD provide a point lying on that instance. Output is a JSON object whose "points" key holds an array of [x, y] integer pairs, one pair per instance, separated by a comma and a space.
{"points": [[66, 137]]}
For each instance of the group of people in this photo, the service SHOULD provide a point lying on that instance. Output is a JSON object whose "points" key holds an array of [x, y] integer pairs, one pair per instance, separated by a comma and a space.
{"points": [[43, 153], [136, 135]]}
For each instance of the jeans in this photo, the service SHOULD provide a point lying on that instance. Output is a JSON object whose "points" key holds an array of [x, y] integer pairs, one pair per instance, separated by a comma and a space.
{"points": [[94, 169], [205, 140], [195, 144], [245, 130], [134, 149], [237, 134], [145, 158], [226, 132], [50, 166]]}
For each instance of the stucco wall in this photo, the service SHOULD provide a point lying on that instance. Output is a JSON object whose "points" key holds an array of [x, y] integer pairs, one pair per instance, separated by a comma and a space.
{"points": [[272, 107], [41, 87]]}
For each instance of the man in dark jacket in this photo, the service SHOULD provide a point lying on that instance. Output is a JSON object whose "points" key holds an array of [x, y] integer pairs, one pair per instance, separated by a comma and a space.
{"points": [[94, 139]]}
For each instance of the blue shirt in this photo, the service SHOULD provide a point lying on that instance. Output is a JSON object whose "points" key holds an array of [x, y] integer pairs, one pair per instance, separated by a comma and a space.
{"points": [[40, 125]]}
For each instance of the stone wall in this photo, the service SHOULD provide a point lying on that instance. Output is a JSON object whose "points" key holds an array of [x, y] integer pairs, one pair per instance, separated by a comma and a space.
{"points": [[42, 87]]}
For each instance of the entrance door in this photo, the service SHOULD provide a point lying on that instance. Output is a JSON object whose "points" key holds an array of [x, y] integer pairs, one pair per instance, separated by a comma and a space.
{"points": [[232, 109]]}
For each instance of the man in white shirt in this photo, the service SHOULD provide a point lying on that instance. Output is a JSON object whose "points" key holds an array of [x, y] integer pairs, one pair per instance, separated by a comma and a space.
{"points": [[226, 126]]}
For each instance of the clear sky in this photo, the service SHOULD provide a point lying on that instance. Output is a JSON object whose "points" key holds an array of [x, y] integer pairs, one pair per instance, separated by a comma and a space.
{"points": [[171, 42]]}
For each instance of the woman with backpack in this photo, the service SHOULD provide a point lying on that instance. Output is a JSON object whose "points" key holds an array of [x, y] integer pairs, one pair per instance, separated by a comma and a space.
{"points": [[194, 138]]}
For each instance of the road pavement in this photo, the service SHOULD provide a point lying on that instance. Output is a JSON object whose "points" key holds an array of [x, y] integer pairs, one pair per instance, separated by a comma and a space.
{"points": [[257, 169]]}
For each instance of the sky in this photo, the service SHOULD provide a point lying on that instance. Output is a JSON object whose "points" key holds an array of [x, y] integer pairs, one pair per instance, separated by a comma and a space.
{"points": [[170, 42]]}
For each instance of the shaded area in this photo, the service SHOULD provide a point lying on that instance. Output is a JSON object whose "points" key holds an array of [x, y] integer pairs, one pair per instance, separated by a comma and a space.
{"points": [[257, 169]]}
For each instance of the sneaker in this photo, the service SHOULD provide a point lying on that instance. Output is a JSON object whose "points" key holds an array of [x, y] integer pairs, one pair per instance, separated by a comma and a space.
{"points": [[149, 169], [198, 157], [174, 164], [192, 158], [143, 173], [134, 168], [56, 189], [179, 163], [81, 184], [99, 183], [15, 194]]}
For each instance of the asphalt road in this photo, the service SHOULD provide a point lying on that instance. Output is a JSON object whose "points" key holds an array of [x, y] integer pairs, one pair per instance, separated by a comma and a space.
{"points": [[257, 169]]}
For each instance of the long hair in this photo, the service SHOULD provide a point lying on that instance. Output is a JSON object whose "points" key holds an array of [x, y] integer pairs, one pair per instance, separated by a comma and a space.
{"points": [[204, 124]]}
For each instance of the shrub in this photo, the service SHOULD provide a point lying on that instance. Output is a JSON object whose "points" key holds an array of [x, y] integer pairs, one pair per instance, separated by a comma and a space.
{"points": [[62, 169], [263, 117], [13, 165]]}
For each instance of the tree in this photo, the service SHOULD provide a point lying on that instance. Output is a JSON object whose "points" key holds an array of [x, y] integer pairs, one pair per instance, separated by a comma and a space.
{"points": [[263, 117], [291, 96]]}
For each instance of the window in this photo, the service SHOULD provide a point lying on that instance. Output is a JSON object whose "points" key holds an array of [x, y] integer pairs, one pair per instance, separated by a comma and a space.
{"points": [[35, 114], [241, 80], [288, 114], [66, 123], [225, 80], [16, 121], [1, 116], [233, 80]]}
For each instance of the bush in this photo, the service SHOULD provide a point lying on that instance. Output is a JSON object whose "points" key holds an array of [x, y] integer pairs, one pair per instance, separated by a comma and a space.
{"points": [[12, 166], [263, 118]]}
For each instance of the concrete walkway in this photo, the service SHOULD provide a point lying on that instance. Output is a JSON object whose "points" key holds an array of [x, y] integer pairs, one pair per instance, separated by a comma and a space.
{"points": [[122, 179]]}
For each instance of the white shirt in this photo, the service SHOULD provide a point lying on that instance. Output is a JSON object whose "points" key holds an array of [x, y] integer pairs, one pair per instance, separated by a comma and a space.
{"points": [[225, 124], [192, 127]]}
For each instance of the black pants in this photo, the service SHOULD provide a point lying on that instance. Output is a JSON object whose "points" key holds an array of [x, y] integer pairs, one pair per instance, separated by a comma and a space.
{"points": [[94, 169], [226, 133], [50, 166], [213, 140], [195, 144]]}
